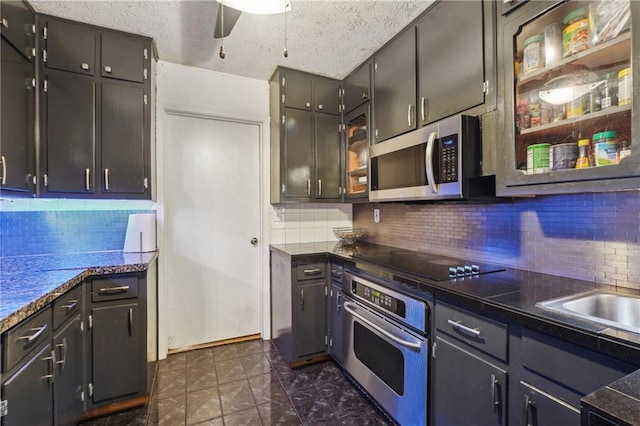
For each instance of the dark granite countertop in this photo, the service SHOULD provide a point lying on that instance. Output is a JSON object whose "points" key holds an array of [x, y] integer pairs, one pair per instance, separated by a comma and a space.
{"points": [[28, 283], [512, 295]]}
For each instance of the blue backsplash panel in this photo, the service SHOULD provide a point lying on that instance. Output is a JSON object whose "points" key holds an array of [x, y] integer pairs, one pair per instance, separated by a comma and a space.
{"points": [[49, 232]]}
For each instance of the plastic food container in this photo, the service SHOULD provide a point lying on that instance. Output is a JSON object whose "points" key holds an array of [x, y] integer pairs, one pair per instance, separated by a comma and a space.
{"points": [[575, 36], [605, 148], [564, 156], [538, 158], [583, 157], [533, 54], [624, 87]]}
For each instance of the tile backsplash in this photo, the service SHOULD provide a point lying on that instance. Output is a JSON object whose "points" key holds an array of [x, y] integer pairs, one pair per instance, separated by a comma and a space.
{"points": [[594, 237], [307, 222]]}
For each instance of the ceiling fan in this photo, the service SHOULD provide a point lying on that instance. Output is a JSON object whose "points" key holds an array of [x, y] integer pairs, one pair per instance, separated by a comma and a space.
{"points": [[230, 10]]}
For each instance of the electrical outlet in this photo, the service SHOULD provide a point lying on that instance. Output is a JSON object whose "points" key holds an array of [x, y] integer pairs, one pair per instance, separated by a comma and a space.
{"points": [[376, 215]]}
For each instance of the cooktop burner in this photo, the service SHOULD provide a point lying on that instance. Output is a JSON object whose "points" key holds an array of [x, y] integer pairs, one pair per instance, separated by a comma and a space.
{"points": [[426, 265]]}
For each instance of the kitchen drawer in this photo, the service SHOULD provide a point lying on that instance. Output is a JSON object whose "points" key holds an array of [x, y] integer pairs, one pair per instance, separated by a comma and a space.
{"points": [[488, 335], [66, 306], [311, 271], [25, 337], [572, 366], [114, 287]]}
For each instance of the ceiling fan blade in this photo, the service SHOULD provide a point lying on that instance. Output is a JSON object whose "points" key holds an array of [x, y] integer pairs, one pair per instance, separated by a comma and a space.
{"points": [[231, 16]]}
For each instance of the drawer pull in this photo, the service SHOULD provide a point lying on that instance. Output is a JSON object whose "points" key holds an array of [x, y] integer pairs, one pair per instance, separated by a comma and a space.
{"points": [[111, 290], [69, 306], [458, 324], [316, 271], [34, 336]]}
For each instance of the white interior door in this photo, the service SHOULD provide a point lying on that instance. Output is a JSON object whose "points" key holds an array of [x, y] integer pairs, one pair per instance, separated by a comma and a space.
{"points": [[212, 211]]}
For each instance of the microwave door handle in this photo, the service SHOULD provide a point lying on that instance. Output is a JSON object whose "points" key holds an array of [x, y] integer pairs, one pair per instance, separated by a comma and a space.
{"points": [[428, 159]]}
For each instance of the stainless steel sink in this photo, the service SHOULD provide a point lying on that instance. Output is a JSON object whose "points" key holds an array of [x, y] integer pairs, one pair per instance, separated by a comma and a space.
{"points": [[615, 310]]}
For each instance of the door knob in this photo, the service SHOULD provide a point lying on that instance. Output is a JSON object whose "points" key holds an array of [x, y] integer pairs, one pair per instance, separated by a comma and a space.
{"points": [[254, 241]]}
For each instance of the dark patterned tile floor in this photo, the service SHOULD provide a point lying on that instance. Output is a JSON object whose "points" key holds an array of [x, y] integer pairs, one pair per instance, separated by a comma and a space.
{"points": [[247, 384]]}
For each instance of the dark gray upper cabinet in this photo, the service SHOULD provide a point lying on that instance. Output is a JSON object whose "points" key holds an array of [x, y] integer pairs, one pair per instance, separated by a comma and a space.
{"points": [[70, 46], [450, 67], [17, 128], [297, 89], [70, 123], [68, 345], [357, 87], [327, 95], [327, 144], [18, 27], [297, 153], [123, 139], [394, 87], [123, 57]]}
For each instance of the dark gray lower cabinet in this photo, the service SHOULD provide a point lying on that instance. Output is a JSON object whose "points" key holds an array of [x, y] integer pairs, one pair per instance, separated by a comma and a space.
{"points": [[540, 408], [69, 395], [28, 391], [115, 352], [468, 389], [335, 323], [311, 318]]}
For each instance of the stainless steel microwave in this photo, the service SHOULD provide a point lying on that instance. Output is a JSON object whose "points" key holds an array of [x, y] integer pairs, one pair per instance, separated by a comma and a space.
{"points": [[440, 161]]}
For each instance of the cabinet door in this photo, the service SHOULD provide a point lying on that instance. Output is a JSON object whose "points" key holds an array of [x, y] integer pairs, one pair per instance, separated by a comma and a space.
{"points": [[115, 351], [327, 143], [17, 27], [29, 392], [395, 87], [357, 153], [297, 161], [68, 387], [122, 57], [297, 90], [465, 380], [311, 319], [70, 134], [335, 317], [327, 95], [70, 47], [16, 147], [540, 408], [122, 139], [450, 69], [357, 87]]}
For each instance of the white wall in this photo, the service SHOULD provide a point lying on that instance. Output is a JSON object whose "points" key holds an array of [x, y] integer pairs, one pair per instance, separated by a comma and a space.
{"points": [[308, 222]]}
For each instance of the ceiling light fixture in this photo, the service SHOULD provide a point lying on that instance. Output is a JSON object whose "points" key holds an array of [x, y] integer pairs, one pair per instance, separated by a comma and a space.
{"points": [[259, 7]]}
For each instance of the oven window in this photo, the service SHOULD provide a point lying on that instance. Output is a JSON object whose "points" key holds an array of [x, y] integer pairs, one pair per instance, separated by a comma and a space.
{"points": [[383, 359], [399, 169]]}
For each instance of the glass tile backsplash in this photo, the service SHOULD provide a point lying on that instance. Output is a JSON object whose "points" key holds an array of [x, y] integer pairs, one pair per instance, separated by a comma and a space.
{"points": [[49, 232]]}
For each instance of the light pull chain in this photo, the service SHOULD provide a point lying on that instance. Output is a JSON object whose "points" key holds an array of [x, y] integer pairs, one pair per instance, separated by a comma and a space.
{"points": [[222, 52], [286, 52]]}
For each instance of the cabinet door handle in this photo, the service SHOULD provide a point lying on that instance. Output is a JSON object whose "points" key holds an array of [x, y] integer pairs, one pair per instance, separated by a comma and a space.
{"points": [[34, 336], [458, 324], [409, 115], [87, 179], [308, 187], [107, 68], [307, 105], [109, 290], [338, 305], [315, 271], [319, 187], [302, 299], [63, 348], [131, 321], [106, 179], [4, 169], [52, 360], [84, 66], [423, 109], [528, 408], [495, 392], [69, 306]]}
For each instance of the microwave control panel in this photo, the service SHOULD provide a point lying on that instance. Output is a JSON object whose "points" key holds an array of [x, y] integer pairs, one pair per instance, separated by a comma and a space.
{"points": [[449, 159], [379, 298]]}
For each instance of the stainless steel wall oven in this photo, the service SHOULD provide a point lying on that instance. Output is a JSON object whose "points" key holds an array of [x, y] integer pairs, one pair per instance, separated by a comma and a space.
{"points": [[386, 345]]}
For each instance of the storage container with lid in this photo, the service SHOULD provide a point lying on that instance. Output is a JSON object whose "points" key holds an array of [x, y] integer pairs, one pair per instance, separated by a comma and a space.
{"points": [[583, 154], [575, 36], [624, 87], [605, 148], [533, 55]]}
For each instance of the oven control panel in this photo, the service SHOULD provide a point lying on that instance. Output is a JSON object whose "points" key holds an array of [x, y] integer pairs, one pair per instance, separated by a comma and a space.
{"points": [[379, 298]]}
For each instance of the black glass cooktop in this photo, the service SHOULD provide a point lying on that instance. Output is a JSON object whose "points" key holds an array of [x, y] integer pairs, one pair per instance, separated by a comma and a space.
{"points": [[431, 266]]}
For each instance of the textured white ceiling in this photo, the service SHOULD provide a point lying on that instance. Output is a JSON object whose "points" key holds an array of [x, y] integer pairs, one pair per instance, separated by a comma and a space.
{"points": [[324, 37]]}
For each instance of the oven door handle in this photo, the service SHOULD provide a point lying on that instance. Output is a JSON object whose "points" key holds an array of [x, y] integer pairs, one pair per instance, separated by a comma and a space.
{"points": [[411, 345], [428, 158]]}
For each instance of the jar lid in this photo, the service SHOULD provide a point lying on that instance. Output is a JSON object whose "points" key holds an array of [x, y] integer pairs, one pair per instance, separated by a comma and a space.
{"points": [[583, 142], [576, 13], [624, 72], [611, 134], [533, 39]]}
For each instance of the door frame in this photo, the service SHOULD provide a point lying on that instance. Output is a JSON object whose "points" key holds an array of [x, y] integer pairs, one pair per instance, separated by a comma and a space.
{"points": [[263, 235]]}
